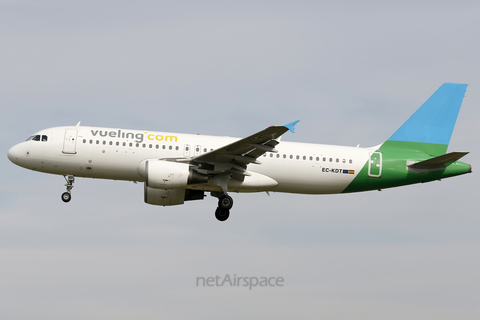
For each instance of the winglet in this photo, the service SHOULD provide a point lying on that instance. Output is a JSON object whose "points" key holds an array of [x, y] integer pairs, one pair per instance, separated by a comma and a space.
{"points": [[291, 126]]}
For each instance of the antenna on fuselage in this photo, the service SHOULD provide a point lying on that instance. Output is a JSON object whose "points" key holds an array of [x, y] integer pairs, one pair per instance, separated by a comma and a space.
{"points": [[78, 124]]}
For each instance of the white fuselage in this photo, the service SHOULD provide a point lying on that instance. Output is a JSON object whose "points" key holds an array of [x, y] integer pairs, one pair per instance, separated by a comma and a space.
{"points": [[108, 153]]}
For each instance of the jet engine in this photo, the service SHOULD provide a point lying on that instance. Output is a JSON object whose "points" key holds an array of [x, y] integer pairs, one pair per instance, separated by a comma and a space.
{"points": [[161, 174], [166, 182], [171, 197]]}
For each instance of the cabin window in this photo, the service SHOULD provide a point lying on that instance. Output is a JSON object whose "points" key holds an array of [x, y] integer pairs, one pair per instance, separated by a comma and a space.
{"points": [[350, 161], [330, 159], [291, 156], [317, 159], [157, 146], [97, 142], [110, 143], [144, 145], [163, 147], [130, 144], [311, 158], [186, 148], [204, 149], [343, 161], [271, 155], [284, 156], [298, 157], [324, 159], [104, 142], [118, 143], [150, 146], [84, 140], [137, 145], [169, 147], [304, 158], [176, 148], [278, 156], [124, 144], [91, 141], [197, 149]]}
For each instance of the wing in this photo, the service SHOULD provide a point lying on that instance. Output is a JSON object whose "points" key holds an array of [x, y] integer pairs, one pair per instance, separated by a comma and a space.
{"points": [[235, 157]]}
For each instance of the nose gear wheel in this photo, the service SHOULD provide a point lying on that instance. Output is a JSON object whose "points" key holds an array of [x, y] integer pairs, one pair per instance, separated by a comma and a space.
{"points": [[66, 196]]}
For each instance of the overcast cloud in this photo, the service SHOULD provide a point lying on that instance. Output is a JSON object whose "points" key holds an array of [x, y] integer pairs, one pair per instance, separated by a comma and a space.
{"points": [[351, 72]]}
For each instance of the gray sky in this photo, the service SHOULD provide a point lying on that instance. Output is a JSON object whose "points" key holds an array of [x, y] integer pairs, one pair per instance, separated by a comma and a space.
{"points": [[351, 72]]}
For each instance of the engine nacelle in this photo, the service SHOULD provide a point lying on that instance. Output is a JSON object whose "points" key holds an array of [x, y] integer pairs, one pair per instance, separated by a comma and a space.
{"points": [[166, 174], [160, 174], [162, 197]]}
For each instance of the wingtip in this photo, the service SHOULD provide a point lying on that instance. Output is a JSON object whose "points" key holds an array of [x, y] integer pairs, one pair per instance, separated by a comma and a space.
{"points": [[291, 126]]}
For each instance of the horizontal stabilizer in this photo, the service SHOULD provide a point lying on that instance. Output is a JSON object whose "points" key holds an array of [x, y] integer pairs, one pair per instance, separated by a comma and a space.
{"points": [[440, 161]]}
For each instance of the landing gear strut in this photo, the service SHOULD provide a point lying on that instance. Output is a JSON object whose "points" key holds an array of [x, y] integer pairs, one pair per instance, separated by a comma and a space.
{"points": [[67, 196], [225, 203]]}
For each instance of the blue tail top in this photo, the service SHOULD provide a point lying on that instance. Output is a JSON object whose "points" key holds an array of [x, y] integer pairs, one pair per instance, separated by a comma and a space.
{"points": [[433, 122]]}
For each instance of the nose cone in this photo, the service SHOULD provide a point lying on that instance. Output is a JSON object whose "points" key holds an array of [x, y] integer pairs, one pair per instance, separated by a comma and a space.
{"points": [[14, 154]]}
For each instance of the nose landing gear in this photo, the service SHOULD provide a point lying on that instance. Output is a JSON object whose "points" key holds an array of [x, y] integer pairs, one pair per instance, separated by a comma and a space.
{"points": [[67, 196]]}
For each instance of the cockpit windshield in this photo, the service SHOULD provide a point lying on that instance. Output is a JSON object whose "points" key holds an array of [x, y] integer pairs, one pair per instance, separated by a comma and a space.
{"points": [[38, 137]]}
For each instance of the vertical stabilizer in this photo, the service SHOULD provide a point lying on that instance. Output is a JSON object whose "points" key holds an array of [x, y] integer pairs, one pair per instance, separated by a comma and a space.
{"points": [[429, 129]]}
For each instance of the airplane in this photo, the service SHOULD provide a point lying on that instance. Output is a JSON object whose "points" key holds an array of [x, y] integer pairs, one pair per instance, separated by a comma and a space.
{"points": [[178, 167]]}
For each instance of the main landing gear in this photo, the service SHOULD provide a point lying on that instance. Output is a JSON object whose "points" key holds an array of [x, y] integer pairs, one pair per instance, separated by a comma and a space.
{"points": [[67, 196], [225, 203]]}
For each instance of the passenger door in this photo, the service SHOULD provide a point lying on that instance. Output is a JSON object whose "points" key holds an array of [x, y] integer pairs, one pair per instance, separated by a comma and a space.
{"points": [[375, 167], [70, 142]]}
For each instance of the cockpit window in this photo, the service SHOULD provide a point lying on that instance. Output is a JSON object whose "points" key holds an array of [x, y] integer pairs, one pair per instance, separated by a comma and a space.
{"points": [[38, 138]]}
